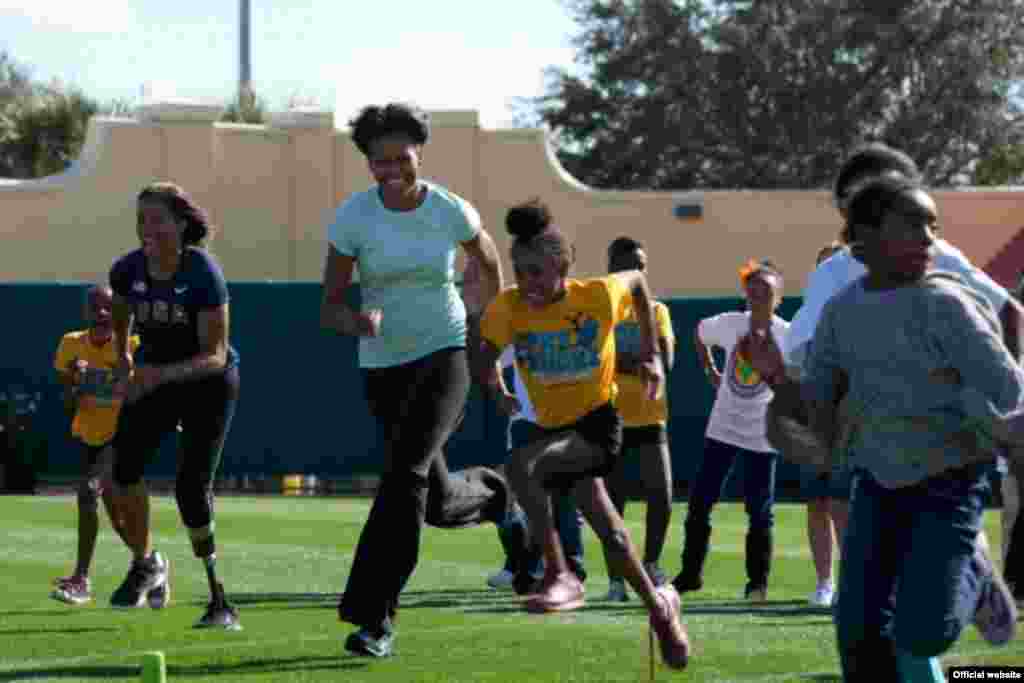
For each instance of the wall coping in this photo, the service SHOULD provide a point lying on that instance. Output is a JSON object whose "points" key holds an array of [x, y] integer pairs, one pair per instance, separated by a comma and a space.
{"points": [[302, 118], [179, 111]]}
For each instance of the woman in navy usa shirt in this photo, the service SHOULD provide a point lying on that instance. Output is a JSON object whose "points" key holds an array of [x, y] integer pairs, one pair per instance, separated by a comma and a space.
{"points": [[173, 293]]}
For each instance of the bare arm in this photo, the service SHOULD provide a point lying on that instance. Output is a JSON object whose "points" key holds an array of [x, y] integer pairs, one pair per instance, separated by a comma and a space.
{"points": [[668, 353], [643, 303], [636, 283], [483, 251], [335, 314], [486, 370], [122, 316], [707, 360]]}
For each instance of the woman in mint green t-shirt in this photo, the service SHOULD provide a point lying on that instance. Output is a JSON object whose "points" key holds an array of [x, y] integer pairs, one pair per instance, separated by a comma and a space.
{"points": [[403, 234]]}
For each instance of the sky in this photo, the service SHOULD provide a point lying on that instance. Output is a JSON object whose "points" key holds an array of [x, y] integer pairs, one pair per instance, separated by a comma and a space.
{"points": [[338, 54]]}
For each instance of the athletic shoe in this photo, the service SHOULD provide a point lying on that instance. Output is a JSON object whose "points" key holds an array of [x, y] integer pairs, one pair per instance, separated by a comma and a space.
{"points": [[755, 593], [74, 590], [823, 595], [143, 576], [684, 584], [996, 614], [655, 574], [666, 623], [367, 643], [501, 580], [617, 591], [563, 593], [160, 597], [220, 614]]}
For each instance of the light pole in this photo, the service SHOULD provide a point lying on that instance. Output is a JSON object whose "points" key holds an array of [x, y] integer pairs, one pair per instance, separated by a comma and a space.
{"points": [[245, 93]]}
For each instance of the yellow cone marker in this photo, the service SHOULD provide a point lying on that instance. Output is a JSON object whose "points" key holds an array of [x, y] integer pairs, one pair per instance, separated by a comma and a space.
{"points": [[154, 668]]}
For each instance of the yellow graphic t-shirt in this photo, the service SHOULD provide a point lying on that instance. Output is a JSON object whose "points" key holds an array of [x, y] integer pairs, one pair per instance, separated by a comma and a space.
{"points": [[94, 425], [633, 405], [565, 352]]}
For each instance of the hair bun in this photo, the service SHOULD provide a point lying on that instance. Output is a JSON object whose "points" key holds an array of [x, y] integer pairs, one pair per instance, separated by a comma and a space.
{"points": [[527, 220]]}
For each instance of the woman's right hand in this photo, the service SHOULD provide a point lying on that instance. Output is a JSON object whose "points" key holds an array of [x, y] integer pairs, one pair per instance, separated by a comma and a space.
{"points": [[367, 323]]}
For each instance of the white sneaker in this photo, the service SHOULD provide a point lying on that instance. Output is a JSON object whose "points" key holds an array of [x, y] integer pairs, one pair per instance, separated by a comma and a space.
{"points": [[501, 580], [617, 591], [823, 595]]}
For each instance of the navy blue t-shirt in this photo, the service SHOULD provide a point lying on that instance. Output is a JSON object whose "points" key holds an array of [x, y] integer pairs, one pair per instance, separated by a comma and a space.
{"points": [[167, 311]]}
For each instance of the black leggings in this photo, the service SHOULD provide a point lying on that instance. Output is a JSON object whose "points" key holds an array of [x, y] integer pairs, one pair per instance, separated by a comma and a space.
{"points": [[417, 406], [204, 408]]}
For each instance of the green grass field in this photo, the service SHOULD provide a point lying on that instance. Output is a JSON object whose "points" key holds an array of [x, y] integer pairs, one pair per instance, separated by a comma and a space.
{"points": [[284, 560]]}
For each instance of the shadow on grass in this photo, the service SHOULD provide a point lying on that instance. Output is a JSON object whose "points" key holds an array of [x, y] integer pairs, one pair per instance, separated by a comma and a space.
{"points": [[264, 666], [252, 666], [781, 608], [264, 598], [46, 613], [54, 631], [824, 678], [101, 673]]}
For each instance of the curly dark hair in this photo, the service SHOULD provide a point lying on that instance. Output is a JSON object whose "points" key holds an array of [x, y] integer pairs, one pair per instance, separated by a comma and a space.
{"points": [[872, 159], [375, 122], [870, 201], [623, 245], [182, 207]]}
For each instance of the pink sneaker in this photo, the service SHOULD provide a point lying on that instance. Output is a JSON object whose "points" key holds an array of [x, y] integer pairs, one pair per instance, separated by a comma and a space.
{"points": [[74, 590], [667, 625], [563, 594]]}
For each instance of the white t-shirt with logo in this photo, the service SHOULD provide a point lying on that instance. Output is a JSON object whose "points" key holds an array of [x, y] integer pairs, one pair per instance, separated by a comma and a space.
{"points": [[738, 414], [526, 412]]}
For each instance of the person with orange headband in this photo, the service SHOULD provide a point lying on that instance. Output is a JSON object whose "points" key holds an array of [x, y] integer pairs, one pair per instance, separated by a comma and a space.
{"points": [[736, 433]]}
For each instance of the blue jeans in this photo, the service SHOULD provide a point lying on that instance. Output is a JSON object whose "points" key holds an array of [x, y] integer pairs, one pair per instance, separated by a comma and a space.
{"points": [[908, 583], [758, 496], [568, 520]]}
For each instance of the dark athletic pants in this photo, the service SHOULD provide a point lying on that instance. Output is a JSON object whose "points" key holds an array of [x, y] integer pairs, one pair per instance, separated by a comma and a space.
{"points": [[417, 406]]}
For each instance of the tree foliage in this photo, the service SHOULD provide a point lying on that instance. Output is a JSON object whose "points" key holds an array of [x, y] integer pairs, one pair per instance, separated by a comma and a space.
{"points": [[774, 93], [42, 126]]}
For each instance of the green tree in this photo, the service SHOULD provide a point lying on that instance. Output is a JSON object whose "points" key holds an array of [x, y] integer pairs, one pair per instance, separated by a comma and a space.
{"points": [[1004, 166], [774, 93], [42, 126], [250, 109]]}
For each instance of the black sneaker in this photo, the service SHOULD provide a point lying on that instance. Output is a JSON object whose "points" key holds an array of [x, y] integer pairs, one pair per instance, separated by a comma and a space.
{"points": [[685, 584], [143, 577], [752, 593], [220, 614], [655, 574], [160, 596], [368, 643]]}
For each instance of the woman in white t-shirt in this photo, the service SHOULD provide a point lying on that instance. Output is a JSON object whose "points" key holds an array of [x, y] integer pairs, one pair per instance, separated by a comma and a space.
{"points": [[403, 234], [736, 433]]}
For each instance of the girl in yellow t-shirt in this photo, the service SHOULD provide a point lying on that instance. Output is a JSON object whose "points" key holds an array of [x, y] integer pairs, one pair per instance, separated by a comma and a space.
{"points": [[85, 362], [563, 333]]}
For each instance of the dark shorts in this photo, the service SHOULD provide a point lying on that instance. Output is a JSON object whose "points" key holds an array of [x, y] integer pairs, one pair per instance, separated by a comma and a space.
{"points": [[601, 427], [834, 484], [648, 435]]}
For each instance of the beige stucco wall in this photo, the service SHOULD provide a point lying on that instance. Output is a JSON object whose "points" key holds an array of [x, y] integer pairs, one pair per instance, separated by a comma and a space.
{"points": [[270, 188]]}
